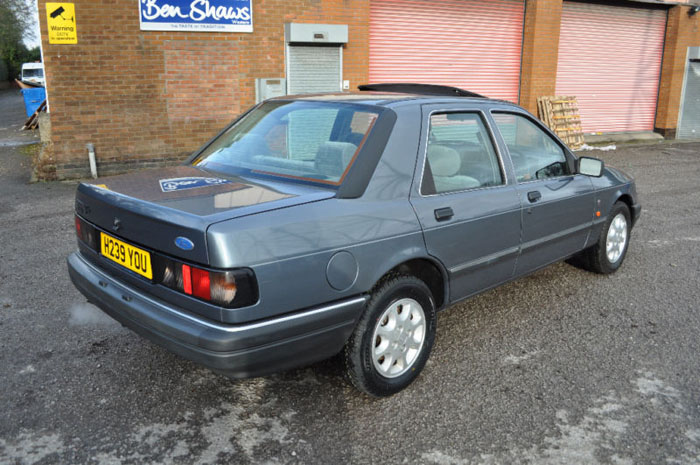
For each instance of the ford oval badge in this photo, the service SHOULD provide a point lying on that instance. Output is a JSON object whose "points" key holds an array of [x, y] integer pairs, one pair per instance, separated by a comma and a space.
{"points": [[184, 243]]}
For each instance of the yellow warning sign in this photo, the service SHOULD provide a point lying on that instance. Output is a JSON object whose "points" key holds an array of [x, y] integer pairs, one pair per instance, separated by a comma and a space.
{"points": [[60, 18]]}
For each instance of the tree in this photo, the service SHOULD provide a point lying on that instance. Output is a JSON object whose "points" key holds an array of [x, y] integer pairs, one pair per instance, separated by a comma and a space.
{"points": [[15, 25], [3, 71]]}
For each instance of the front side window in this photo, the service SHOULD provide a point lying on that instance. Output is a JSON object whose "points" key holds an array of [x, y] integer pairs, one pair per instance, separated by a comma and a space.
{"points": [[534, 153], [307, 141], [460, 155]]}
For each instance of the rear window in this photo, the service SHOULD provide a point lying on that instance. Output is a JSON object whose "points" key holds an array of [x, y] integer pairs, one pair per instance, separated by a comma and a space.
{"points": [[313, 142]]}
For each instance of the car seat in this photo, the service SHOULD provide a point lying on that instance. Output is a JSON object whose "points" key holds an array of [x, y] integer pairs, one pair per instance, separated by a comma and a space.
{"points": [[445, 164]]}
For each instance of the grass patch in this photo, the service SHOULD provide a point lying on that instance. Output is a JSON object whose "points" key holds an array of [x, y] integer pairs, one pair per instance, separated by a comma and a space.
{"points": [[31, 151]]}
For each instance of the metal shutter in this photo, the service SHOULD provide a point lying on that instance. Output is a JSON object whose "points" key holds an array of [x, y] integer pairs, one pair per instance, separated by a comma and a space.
{"points": [[475, 45], [689, 121], [313, 68], [610, 59]]}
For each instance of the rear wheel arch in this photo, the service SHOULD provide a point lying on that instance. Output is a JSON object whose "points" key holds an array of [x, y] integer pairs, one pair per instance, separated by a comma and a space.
{"points": [[428, 271]]}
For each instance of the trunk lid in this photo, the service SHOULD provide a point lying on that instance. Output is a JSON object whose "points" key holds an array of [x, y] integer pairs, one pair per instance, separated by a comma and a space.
{"points": [[153, 208]]}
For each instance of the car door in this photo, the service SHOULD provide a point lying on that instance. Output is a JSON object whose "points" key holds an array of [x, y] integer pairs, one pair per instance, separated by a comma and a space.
{"points": [[557, 204], [468, 209]]}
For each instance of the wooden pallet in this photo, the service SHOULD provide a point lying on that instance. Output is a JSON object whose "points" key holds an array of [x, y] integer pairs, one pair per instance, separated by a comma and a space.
{"points": [[33, 121], [561, 115]]}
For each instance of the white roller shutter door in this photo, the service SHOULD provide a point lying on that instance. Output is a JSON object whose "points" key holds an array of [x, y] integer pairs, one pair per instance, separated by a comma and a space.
{"points": [[610, 59], [313, 68], [472, 44]]}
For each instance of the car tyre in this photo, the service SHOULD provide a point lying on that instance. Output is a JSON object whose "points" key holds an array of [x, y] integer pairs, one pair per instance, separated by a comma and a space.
{"points": [[393, 339], [607, 255]]}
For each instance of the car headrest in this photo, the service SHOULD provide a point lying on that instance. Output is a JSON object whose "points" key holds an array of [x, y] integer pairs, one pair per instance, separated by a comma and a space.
{"points": [[333, 157], [444, 161]]}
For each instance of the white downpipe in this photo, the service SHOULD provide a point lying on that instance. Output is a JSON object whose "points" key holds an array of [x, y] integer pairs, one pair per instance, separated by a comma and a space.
{"points": [[41, 52], [93, 163]]}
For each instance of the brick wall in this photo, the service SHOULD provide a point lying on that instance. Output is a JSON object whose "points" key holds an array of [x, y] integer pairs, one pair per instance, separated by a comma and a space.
{"points": [[148, 98], [540, 51], [540, 54], [682, 31]]}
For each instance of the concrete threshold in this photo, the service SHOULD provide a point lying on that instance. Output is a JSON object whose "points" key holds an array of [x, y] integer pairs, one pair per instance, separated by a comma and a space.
{"points": [[608, 138]]}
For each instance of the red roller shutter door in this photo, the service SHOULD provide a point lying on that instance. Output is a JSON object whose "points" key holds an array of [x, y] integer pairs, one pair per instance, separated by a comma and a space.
{"points": [[610, 59], [475, 45]]}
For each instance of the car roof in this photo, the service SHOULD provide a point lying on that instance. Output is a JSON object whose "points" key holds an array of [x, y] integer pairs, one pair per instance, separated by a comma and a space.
{"points": [[388, 99]]}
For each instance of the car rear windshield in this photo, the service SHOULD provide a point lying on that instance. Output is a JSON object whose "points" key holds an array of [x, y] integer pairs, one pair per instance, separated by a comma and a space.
{"points": [[306, 141]]}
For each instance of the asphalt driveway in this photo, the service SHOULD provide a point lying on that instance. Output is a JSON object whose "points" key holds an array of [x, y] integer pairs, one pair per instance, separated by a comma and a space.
{"points": [[561, 367]]}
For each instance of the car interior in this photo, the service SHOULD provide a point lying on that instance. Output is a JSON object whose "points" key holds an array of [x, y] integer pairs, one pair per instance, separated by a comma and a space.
{"points": [[458, 156], [315, 144]]}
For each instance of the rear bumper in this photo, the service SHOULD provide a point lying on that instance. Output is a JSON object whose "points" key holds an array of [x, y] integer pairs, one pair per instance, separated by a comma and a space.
{"points": [[239, 351]]}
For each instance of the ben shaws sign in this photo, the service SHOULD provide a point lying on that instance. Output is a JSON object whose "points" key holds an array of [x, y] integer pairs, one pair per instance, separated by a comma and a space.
{"points": [[196, 15]]}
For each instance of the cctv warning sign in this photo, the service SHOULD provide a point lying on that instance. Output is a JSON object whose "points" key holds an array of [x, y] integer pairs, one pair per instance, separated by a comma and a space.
{"points": [[60, 18]]}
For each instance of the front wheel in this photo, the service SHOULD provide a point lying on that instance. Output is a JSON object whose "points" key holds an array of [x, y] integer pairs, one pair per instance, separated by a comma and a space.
{"points": [[607, 255], [393, 338]]}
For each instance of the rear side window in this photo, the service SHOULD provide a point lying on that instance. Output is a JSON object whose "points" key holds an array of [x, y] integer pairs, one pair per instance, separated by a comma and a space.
{"points": [[534, 153], [460, 155]]}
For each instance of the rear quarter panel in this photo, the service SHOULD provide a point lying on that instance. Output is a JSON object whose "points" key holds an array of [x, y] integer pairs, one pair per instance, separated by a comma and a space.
{"points": [[289, 249]]}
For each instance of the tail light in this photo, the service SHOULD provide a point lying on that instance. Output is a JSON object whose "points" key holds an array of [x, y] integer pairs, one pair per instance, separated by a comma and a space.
{"points": [[229, 288], [85, 232], [226, 288]]}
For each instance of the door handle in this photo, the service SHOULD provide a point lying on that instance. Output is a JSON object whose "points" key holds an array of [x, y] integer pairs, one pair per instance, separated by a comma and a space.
{"points": [[444, 214], [534, 196]]}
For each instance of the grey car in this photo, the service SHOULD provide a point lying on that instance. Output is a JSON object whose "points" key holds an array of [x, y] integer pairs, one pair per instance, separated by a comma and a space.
{"points": [[341, 223]]}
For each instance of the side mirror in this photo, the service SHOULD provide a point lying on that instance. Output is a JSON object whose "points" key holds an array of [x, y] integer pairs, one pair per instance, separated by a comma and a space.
{"points": [[590, 167]]}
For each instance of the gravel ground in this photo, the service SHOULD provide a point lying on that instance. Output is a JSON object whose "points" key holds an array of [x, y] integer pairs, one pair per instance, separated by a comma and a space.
{"points": [[560, 367]]}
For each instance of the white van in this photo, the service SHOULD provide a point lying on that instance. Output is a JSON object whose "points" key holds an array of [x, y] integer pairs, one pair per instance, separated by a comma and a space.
{"points": [[33, 74]]}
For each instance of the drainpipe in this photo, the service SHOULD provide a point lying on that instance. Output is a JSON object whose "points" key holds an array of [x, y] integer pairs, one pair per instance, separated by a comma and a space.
{"points": [[43, 62], [93, 163]]}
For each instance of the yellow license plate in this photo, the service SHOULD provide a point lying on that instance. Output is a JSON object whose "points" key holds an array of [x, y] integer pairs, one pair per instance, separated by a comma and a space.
{"points": [[128, 256]]}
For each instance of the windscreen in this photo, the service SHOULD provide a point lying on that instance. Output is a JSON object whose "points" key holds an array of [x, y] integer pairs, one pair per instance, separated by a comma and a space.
{"points": [[306, 141], [35, 72]]}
